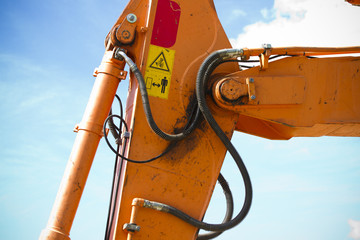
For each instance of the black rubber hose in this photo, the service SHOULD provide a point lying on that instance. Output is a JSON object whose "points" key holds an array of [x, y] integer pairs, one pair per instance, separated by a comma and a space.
{"points": [[206, 69], [208, 66], [113, 195], [145, 101], [203, 76], [115, 131], [169, 147], [229, 208], [112, 127]]}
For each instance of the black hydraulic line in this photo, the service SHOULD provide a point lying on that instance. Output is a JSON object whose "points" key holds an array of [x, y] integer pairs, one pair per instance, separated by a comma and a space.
{"points": [[146, 104], [113, 128], [206, 69], [204, 73], [113, 196], [244, 66], [270, 58], [169, 147], [203, 76], [120, 160], [229, 208], [116, 132]]}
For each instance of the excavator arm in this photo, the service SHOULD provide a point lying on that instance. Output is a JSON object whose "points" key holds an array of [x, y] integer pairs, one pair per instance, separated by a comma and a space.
{"points": [[188, 92]]}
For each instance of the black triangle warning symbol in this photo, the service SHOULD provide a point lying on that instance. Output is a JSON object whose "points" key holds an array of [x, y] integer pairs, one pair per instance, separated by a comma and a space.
{"points": [[160, 63]]}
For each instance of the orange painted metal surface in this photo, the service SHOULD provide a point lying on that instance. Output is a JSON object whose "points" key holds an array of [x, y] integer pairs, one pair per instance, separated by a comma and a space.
{"points": [[298, 96], [301, 51], [185, 177]]}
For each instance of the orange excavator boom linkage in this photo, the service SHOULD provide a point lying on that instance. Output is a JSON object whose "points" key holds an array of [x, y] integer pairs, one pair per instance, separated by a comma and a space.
{"points": [[187, 95]]}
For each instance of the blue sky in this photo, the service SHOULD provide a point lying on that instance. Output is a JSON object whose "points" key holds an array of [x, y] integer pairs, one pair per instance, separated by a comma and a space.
{"points": [[305, 188]]}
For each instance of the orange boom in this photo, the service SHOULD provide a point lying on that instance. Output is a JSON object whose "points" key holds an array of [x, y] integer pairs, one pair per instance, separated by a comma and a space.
{"points": [[187, 95]]}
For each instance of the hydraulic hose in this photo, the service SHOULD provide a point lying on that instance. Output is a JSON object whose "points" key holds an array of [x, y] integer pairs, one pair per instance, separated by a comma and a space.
{"points": [[145, 101], [169, 147], [113, 128], [229, 208], [208, 66], [116, 132], [206, 69]]}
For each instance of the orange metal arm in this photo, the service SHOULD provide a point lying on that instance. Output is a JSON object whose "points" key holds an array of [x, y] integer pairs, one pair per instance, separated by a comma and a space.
{"points": [[185, 177], [301, 51], [296, 96], [168, 40], [89, 131]]}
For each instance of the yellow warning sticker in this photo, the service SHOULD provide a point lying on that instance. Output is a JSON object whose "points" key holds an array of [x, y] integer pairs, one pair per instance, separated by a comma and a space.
{"points": [[158, 71]]}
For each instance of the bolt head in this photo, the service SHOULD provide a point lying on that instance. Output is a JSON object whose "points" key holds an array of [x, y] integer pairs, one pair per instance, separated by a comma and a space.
{"points": [[131, 18], [253, 97], [251, 80], [266, 45]]}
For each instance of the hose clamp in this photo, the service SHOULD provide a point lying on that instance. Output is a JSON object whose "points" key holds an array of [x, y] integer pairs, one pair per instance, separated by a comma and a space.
{"points": [[131, 227]]}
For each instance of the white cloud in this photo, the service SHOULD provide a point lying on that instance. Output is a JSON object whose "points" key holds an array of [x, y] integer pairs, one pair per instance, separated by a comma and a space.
{"points": [[238, 13], [355, 229], [234, 15], [293, 10], [315, 23], [266, 13]]}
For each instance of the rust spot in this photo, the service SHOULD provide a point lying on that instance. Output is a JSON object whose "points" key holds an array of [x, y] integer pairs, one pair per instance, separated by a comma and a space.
{"points": [[155, 176], [78, 187], [300, 67]]}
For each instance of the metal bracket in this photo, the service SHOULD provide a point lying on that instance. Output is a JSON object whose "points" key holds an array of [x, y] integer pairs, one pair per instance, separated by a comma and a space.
{"points": [[91, 127], [125, 32], [251, 89], [264, 57]]}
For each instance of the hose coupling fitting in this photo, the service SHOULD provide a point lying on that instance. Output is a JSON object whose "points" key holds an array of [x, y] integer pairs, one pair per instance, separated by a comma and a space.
{"points": [[231, 53], [121, 55]]}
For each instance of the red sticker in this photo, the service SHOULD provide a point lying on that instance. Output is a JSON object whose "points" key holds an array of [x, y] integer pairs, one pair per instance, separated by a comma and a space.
{"points": [[166, 23]]}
